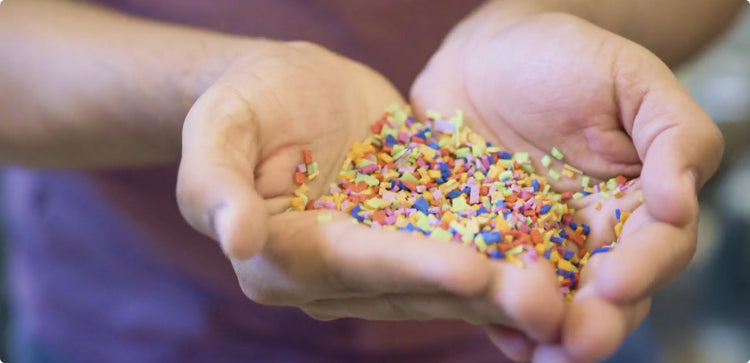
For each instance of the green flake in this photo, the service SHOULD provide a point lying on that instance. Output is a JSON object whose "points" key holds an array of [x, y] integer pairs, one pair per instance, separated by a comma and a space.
{"points": [[459, 227], [399, 117], [557, 153], [462, 152], [459, 204], [479, 176], [505, 164], [374, 203], [514, 251], [393, 107], [364, 162], [368, 179], [312, 168], [546, 161], [493, 149], [478, 150], [324, 217], [480, 243], [528, 168], [521, 157], [434, 115], [554, 175], [441, 235], [604, 194], [397, 151], [423, 221], [505, 175], [578, 195], [585, 181], [409, 177], [547, 187], [611, 184], [444, 142]]}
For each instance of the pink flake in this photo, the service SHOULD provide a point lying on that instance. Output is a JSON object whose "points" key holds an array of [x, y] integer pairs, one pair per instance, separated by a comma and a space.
{"points": [[403, 137], [367, 169], [444, 126], [474, 195]]}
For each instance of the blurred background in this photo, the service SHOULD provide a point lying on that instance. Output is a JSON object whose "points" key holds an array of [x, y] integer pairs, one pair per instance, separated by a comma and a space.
{"points": [[704, 316]]}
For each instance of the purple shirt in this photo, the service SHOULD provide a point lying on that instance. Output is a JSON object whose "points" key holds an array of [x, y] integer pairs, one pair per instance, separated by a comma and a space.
{"points": [[104, 269]]}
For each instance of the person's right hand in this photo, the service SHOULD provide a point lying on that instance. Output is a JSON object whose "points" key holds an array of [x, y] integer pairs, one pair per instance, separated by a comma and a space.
{"points": [[241, 142]]}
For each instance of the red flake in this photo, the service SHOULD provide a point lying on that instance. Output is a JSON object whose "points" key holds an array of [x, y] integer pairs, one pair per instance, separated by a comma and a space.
{"points": [[621, 180], [379, 216], [536, 236], [567, 195], [576, 238], [307, 154], [299, 178]]}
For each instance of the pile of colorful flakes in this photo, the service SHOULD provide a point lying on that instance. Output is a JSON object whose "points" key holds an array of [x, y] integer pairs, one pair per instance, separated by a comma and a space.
{"points": [[441, 180]]}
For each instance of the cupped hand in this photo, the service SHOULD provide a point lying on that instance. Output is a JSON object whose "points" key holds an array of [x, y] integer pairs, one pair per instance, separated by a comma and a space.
{"points": [[241, 142], [613, 108]]}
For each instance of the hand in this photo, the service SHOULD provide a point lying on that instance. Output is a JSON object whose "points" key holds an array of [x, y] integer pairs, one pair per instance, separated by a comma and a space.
{"points": [[612, 107], [241, 142]]}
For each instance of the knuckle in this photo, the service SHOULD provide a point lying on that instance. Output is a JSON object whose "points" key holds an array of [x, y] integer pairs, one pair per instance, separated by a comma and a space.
{"points": [[262, 294], [318, 314]]}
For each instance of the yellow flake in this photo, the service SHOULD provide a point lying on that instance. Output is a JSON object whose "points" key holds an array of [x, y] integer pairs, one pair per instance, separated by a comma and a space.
{"points": [[514, 260], [618, 229], [302, 190]]}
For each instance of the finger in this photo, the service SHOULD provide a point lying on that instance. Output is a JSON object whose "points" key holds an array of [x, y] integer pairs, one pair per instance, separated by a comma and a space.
{"points": [[409, 307], [680, 145], [342, 258], [605, 214], [480, 310], [215, 182], [552, 353], [513, 343], [648, 256], [594, 328]]}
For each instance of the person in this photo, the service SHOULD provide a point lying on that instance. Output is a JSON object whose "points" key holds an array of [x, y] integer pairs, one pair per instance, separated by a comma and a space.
{"points": [[105, 111]]}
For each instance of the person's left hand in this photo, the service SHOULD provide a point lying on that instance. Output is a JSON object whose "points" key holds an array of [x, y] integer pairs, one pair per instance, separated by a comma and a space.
{"points": [[612, 107]]}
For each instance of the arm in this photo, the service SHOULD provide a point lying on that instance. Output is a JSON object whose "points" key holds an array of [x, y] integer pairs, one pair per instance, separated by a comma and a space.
{"points": [[673, 30], [84, 86]]}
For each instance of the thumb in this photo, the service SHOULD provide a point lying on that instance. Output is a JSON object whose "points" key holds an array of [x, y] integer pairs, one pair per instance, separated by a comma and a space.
{"points": [[679, 144], [215, 185]]}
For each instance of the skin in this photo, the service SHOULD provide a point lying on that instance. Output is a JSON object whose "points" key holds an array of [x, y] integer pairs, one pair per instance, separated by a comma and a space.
{"points": [[609, 104]]}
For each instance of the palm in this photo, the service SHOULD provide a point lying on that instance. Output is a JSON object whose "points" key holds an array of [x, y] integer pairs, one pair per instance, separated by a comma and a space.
{"points": [[241, 143], [546, 88]]}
